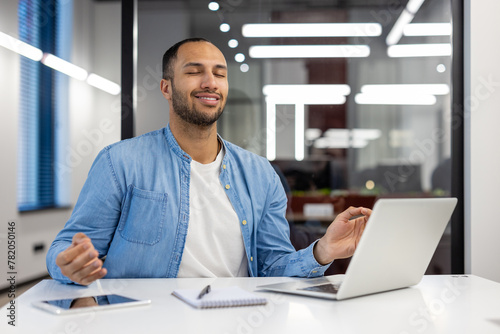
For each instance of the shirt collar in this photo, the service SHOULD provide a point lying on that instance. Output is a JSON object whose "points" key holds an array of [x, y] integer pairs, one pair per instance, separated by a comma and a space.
{"points": [[174, 146]]}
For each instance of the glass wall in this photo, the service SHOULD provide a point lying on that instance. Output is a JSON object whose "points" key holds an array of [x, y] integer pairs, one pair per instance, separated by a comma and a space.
{"points": [[349, 100]]}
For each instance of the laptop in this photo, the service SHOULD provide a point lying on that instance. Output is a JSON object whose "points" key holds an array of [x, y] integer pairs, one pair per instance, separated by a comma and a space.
{"points": [[394, 251]]}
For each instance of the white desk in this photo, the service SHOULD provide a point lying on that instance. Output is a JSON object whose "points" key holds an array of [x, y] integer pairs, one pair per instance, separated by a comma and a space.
{"points": [[439, 304]]}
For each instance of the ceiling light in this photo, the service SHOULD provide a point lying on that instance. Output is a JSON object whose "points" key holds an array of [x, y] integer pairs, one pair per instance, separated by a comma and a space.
{"points": [[309, 100], [224, 27], [239, 57], [406, 17], [306, 94], [20, 47], [345, 138], [103, 84], [63, 66], [414, 5], [244, 68], [309, 51], [325, 142], [311, 30], [416, 89], [393, 99], [299, 132], [213, 6], [419, 50], [368, 134], [312, 133], [292, 90], [271, 131], [397, 30], [232, 43], [428, 29]]}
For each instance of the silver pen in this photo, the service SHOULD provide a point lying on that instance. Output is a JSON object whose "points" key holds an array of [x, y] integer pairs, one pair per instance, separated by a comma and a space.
{"points": [[203, 292]]}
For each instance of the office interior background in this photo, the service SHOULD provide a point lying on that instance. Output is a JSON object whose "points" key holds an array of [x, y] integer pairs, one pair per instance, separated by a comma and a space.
{"points": [[373, 117]]}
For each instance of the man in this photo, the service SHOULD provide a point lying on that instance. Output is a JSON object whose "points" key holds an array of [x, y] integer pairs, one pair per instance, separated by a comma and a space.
{"points": [[182, 202]]}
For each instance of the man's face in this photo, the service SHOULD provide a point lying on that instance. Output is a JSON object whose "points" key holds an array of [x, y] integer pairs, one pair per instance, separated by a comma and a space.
{"points": [[199, 86]]}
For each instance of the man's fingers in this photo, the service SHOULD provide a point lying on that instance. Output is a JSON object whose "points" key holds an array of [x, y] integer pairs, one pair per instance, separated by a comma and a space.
{"points": [[82, 261], [89, 273], [79, 238], [366, 212], [72, 252], [95, 276], [350, 213]]}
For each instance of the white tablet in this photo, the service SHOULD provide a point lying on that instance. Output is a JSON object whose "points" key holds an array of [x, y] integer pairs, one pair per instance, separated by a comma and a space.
{"points": [[88, 304]]}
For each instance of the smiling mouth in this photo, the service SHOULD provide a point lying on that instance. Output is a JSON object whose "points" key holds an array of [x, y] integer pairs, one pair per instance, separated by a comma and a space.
{"points": [[207, 98]]}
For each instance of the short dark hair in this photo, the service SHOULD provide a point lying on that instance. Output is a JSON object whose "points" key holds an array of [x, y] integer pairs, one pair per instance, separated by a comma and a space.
{"points": [[171, 54]]}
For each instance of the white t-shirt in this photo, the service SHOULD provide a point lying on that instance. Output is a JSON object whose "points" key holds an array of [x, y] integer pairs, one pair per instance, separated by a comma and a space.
{"points": [[214, 243]]}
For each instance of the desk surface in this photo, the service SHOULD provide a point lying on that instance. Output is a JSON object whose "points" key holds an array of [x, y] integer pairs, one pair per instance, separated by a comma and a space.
{"points": [[439, 304]]}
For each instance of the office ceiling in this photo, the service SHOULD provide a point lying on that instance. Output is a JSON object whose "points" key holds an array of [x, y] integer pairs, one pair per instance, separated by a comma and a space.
{"points": [[290, 3]]}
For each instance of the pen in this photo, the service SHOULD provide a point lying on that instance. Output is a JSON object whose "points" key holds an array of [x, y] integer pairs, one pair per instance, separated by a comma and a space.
{"points": [[204, 291]]}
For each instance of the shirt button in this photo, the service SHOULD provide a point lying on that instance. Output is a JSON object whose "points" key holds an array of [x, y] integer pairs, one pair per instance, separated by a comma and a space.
{"points": [[224, 166], [251, 258], [227, 186], [244, 222]]}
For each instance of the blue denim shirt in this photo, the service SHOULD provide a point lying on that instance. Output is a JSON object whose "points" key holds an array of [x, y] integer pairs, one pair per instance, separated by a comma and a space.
{"points": [[134, 206]]}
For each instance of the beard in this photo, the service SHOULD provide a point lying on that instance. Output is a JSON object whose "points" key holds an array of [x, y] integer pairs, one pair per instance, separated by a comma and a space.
{"points": [[189, 113]]}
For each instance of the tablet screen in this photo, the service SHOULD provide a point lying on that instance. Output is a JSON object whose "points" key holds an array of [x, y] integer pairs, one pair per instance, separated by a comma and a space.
{"points": [[80, 304], [90, 301]]}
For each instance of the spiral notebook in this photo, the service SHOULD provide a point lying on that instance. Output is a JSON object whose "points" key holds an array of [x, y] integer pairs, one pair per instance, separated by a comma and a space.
{"points": [[233, 296]]}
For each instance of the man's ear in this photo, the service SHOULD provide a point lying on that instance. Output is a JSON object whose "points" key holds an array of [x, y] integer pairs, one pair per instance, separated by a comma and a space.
{"points": [[166, 88]]}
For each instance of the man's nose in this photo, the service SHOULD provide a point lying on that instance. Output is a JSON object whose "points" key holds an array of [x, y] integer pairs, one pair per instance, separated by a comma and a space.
{"points": [[209, 81]]}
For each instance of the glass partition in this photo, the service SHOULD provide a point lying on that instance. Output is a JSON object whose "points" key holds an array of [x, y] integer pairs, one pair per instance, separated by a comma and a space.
{"points": [[349, 100]]}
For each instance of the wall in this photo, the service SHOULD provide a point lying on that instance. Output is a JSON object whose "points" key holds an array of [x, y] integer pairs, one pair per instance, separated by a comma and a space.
{"points": [[160, 25], [96, 47], [482, 101]]}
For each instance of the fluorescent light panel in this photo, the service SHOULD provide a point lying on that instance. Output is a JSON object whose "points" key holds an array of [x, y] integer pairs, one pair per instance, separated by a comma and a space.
{"points": [[288, 90], [20, 47], [405, 18], [326, 142], [65, 67], [419, 50], [103, 84], [394, 99], [368, 134], [299, 132], [345, 138], [57, 64], [306, 94], [312, 30], [270, 130], [308, 100], [428, 29], [416, 89], [312, 133], [309, 51], [414, 5], [397, 30]]}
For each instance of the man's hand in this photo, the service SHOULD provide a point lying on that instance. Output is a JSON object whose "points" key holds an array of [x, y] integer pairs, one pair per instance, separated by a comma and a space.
{"points": [[79, 262], [342, 236]]}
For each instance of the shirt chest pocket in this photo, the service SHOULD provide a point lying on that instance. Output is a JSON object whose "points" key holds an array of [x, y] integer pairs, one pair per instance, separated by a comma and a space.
{"points": [[143, 216]]}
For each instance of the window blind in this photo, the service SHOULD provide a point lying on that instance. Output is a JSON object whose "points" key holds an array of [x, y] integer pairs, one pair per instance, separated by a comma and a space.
{"points": [[43, 125]]}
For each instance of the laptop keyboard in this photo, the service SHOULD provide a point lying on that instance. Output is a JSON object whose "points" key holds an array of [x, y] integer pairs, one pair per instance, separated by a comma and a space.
{"points": [[328, 288]]}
